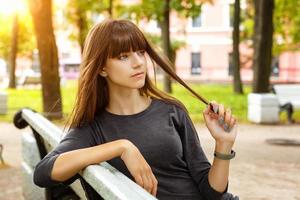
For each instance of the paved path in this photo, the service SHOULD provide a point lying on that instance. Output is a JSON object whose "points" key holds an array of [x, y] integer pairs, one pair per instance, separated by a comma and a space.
{"points": [[260, 171]]}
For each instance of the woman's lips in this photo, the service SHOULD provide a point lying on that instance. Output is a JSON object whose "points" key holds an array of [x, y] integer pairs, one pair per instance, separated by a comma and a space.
{"points": [[138, 75]]}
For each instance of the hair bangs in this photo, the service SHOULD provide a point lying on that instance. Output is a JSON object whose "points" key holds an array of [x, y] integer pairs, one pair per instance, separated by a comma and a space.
{"points": [[125, 37]]}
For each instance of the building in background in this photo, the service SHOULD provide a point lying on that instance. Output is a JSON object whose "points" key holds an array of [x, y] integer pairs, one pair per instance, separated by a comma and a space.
{"points": [[208, 50], [205, 57]]}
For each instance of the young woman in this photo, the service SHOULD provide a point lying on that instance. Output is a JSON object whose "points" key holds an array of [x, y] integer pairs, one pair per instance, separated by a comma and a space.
{"points": [[122, 118]]}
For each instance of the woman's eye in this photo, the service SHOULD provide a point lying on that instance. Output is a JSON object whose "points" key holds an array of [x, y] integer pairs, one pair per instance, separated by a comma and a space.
{"points": [[141, 52], [122, 57]]}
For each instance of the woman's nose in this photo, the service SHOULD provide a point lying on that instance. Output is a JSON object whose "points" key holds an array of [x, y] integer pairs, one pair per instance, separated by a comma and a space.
{"points": [[137, 59]]}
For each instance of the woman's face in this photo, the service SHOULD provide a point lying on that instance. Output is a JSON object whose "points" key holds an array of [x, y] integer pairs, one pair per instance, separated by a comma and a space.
{"points": [[126, 70]]}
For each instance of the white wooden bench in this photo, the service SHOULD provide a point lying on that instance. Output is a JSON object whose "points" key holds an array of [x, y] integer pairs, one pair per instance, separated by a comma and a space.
{"points": [[289, 98], [97, 181], [33, 79]]}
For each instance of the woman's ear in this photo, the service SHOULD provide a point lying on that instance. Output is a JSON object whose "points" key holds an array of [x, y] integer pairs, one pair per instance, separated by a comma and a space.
{"points": [[103, 72]]}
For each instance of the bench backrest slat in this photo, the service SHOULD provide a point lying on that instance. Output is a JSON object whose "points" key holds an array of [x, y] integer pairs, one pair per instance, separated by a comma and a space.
{"points": [[288, 93]]}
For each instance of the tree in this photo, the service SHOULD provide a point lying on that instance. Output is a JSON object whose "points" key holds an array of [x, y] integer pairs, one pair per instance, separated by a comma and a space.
{"points": [[165, 35], [286, 18], [237, 84], [81, 12], [262, 40], [110, 8], [5, 36], [41, 11], [13, 52], [16, 39], [77, 15]]}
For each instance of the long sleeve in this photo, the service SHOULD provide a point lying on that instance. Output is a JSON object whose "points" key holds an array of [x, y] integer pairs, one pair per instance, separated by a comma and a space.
{"points": [[195, 158], [75, 139]]}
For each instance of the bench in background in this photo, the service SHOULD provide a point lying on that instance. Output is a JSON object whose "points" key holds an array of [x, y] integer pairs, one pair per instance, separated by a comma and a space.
{"points": [[33, 79], [96, 181], [289, 98], [3, 103]]}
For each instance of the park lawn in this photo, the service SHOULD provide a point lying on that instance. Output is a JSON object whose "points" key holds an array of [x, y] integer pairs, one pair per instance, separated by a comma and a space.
{"points": [[221, 93], [32, 98]]}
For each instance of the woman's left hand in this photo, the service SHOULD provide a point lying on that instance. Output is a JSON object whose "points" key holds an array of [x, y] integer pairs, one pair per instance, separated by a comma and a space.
{"points": [[222, 126]]}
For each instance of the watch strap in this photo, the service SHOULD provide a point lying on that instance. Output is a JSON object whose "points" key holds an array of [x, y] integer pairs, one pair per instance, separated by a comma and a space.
{"points": [[225, 156]]}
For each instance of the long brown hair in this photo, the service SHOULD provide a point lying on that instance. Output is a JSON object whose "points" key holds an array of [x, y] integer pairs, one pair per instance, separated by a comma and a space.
{"points": [[107, 40]]}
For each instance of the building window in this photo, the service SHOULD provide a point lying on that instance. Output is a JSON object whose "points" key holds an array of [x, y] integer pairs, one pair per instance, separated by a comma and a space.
{"points": [[196, 63], [275, 67], [230, 64], [197, 22]]}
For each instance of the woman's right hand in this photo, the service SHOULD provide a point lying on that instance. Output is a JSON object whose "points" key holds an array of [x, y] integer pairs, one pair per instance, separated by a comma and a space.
{"points": [[139, 168]]}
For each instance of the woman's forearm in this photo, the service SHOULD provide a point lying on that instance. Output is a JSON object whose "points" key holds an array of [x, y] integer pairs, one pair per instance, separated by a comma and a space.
{"points": [[69, 163], [219, 171]]}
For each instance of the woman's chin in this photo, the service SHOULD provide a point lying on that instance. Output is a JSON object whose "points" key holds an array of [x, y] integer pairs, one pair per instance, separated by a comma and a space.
{"points": [[138, 85]]}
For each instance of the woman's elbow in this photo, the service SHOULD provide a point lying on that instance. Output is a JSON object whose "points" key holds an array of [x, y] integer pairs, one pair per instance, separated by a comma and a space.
{"points": [[42, 178], [38, 179]]}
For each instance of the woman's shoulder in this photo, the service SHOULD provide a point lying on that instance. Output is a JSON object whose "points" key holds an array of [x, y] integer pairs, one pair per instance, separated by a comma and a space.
{"points": [[84, 129]]}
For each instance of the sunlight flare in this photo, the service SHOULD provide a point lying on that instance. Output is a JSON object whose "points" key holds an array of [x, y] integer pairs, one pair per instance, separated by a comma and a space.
{"points": [[12, 6]]}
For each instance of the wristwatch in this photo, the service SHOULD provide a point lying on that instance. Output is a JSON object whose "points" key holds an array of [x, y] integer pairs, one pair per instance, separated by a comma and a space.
{"points": [[225, 156]]}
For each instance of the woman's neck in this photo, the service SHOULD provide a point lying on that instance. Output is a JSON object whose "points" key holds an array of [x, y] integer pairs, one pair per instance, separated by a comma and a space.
{"points": [[127, 103]]}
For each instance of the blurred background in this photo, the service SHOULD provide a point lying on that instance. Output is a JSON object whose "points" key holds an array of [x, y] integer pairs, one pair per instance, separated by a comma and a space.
{"points": [[232, 51]]}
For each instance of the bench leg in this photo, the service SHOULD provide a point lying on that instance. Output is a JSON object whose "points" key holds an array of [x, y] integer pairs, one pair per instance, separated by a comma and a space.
{"points": [[289, 110], [1, 157]]}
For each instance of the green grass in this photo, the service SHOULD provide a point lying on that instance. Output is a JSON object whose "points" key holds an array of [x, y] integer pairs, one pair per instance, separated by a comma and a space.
{"points": [[19, 98], [32, 98], [219, 93]]}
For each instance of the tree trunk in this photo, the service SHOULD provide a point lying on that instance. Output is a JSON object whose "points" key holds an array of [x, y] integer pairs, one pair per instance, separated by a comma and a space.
{"points": [[237, 84], [41, 11], [82, 27], [13, 52], [110, 9], [165, 36], [263, 38]]}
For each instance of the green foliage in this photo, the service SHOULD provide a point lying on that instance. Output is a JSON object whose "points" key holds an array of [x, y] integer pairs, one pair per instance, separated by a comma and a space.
{"points": [[5, 32], [286, 25], [157, 42], [79, 9], [187, 8], [247, 21], [26, 40], [153, 9], [131, 12], [88, 11], [26, 37]]}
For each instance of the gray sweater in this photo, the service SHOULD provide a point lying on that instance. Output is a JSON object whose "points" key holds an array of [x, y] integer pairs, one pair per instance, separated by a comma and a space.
{"points": [[165, 136]]}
